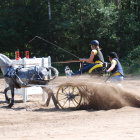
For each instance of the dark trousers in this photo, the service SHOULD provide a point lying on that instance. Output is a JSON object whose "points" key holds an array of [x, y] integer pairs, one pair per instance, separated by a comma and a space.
{"points": [[85, 68]]}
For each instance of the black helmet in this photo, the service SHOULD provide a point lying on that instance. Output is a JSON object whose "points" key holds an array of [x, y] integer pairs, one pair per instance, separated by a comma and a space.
{"points": [[113, 55], [94, 42]]}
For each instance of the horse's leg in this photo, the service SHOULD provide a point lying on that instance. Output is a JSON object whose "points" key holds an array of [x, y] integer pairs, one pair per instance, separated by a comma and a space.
{"points": [[6, 96], [55, 101], [12, 99], [50, 94]]}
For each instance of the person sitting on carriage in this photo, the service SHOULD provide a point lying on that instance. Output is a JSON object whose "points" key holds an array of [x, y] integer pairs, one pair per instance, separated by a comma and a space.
{"points": [[116, 69], [96, 57]]}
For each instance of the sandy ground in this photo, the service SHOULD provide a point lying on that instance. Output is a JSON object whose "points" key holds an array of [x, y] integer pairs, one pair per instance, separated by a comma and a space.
{"points": [[31, 120]]}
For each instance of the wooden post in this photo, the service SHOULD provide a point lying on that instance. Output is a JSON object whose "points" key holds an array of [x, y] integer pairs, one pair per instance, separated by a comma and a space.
{"points": [[17, 55], [27, 54]]}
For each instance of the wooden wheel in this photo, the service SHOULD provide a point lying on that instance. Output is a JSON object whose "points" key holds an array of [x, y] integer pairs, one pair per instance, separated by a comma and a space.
{"points": [[68, 96]]}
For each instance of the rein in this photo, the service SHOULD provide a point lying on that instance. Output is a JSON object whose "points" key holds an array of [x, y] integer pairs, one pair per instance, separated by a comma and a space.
{"points": [[69, 61]]}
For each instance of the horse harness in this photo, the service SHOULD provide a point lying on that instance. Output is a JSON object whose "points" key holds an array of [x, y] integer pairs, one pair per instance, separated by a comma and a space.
{"points": [[12, 73]]}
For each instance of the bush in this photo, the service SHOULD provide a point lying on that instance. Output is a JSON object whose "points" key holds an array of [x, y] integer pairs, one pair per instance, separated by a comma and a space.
{"points": [[132, 61]]}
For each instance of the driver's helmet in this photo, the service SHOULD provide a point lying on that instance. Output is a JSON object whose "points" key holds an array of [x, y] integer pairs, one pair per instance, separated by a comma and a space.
{"points": [[94, 42]]}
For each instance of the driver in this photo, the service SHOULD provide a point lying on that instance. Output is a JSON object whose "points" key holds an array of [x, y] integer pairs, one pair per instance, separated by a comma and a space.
{"points": [[96, 57]]}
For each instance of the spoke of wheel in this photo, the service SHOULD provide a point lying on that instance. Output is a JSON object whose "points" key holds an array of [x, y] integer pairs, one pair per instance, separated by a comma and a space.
{"points": [[62, 99], [69, 89], [75, 90], [62, 93], [69, 103], [77, 94], [76, 101], [73, 103], [63, 89], [65, 102]]}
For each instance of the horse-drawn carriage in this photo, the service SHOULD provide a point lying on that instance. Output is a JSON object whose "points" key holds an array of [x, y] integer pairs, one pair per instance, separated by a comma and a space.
{"points": [[67, 96]]}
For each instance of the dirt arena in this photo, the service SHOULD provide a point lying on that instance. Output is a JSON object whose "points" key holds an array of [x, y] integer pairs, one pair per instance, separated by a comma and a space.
{"points": [[116, 115]]}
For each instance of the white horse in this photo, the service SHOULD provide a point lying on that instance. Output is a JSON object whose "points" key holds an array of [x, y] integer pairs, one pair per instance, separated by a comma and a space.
{"points": [[17, 77]]}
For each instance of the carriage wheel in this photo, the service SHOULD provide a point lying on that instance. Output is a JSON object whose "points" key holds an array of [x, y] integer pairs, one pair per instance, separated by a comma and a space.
{"points": [[68, 96]]}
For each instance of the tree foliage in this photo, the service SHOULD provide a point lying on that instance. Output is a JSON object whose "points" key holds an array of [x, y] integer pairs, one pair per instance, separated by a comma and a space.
{"points": [[115, 23]]}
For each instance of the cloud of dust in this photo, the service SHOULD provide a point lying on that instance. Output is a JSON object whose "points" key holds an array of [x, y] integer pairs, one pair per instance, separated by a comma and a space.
{"points": [[102, 96]]}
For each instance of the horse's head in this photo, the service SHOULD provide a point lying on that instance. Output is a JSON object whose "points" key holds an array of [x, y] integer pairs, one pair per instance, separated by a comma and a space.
{"points": [[5, 62]]}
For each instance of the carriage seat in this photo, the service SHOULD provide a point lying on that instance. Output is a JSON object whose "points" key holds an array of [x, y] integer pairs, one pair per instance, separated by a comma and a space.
{"points": [[102, 66]]}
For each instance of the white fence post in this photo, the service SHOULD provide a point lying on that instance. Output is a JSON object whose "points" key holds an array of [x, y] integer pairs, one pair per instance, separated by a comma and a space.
{"points": [[24, 90], [44, 95]]}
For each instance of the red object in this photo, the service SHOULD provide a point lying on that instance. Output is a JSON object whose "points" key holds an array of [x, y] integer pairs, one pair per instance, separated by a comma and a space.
{"points": [[17, 55], [27, 54]]}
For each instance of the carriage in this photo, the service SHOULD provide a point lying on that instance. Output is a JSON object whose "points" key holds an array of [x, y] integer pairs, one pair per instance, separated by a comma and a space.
{"points": [[69, 95]]}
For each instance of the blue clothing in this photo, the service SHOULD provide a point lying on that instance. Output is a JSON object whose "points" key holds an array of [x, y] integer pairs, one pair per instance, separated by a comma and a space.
{"points": [[118, 67], [117, 78], [85, 68]]}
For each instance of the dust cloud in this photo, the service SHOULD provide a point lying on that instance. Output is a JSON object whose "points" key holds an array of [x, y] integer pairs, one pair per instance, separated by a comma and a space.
{"points": [[99, 95]]}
